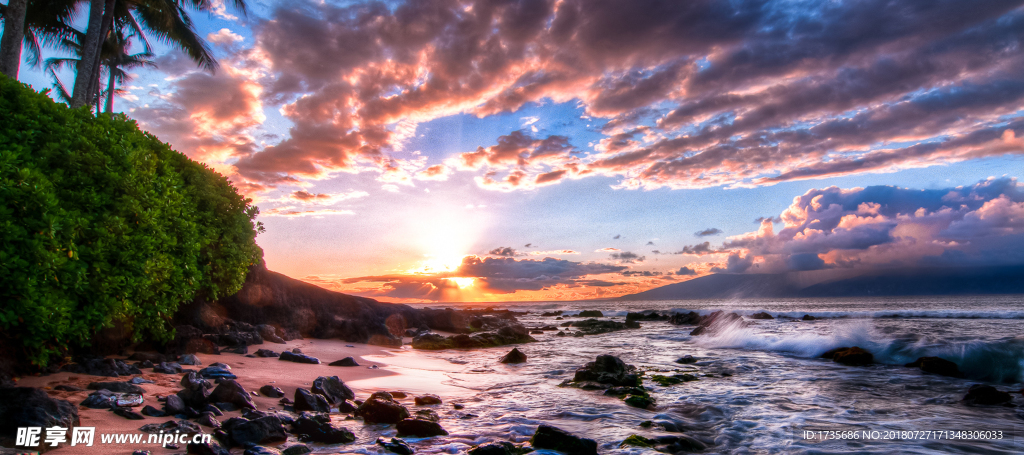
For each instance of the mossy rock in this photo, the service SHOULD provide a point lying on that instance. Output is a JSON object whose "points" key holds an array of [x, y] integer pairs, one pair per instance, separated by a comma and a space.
{"points": [[639, 401], [636, 440], [666, 381]]}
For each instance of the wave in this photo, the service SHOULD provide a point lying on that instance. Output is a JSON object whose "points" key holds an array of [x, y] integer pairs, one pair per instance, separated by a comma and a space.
{"points": [[996, 361], [878, 314]]}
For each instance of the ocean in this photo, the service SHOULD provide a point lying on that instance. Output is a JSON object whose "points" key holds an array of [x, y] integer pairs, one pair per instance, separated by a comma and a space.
{"points": [[760, 388]]}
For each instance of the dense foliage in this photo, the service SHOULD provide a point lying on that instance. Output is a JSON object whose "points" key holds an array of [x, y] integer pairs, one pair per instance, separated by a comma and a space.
{"points": [[101, 223]]}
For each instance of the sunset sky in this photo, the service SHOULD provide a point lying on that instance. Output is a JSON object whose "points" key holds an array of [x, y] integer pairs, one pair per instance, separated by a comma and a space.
{"points": [[527, 150]]}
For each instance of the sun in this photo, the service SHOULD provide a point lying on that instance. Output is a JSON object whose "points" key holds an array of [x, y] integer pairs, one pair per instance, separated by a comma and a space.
{"points": [[462, 282]]}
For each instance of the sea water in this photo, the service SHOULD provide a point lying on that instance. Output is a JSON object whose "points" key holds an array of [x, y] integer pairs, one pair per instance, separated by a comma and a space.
{"points": [[760, 387]]}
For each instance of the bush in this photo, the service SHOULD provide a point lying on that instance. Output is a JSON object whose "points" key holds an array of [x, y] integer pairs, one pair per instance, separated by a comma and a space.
{"points": [[101, 223]]}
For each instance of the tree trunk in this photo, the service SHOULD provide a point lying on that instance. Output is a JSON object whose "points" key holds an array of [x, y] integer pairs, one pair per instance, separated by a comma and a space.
{"points": [[108, 24], [90, 54], [14, 34], [110, 93]]}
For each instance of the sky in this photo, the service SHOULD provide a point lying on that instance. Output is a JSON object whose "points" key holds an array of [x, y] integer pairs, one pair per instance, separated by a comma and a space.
{"points": [[498, 150]]}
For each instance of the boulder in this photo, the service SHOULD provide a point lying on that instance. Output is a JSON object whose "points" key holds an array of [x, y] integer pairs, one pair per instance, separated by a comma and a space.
{"points": [[98, 366], [494, 448], [428, 399], [31, 407], [128, 414], [513, 356], [548, 437], [206, 448], [266, 353], [691, 318], [269, 333], [230, 391], [346, 362], [686, 359], [937, 365], [333, 389], [761, 315], [381, 408], [216, 372], [100, 399], [174, 405], [172, 426], [419, 428], [119, 387], [244, 432], [640, 401], [308, 401], [591, 314], [808, 317], [207, 419], [296, 449], [396, 446], [607, 369], [980, 394], [854, 356], [271, 391], [318, 427], [189, 359], [152, 412], [298, 358]]}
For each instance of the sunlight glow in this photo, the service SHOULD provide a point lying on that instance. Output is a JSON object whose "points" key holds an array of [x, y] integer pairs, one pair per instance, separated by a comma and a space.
{"points": [[462, 282]]}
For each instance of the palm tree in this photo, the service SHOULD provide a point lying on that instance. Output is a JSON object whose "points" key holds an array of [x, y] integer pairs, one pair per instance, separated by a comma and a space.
{"points": [[14, 33], [168, 20], [42, 22], [114, 58]]}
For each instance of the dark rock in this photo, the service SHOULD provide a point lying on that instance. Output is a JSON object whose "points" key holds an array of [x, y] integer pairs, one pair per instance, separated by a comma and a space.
{"points": [[419, 428], [213, 410], [381, 408], [208, 420], [147, 356], [296, 351], [428, 399], [232, 392], [591, 314], [396, 446], [458, 406], [31, 407], [216, 372], [119, 387], [640, 401], [854, 356], [595, 326], [298, 358], [686, 359], [333, 389], [143, 364], [271, 391], [297, 449], [623, 391], [345, 407], [646, 315], [261, 450], [986, 395], [266, 353], [153, 412], [513, 356], [318, 428], [427, 414], [68, 388], [548, 437], [206, 448], [99, 366], [551, 313], [761, 315], [172, 426], [259, 431], [691, 318], [189, 359], [128, 414], [240, 349], [140, 380], [174, 405], [100, 399], [142, 452], [167, 368], [346, 362], [494, 448], [308, 401], [679, 444], [269, 333], [937, 365], [807, 317], [607, 369]]}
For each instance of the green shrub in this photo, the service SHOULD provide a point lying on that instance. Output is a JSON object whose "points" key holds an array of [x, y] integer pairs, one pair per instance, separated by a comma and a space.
{"points": [[102, 223]]}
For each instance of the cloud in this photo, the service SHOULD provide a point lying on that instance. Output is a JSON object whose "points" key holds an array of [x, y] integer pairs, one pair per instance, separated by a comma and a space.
{"points": [[607, 250], [553, 253], [617, 236], [503, 251], [686, 271], [707, 232], [627, 257], [292, 212]]}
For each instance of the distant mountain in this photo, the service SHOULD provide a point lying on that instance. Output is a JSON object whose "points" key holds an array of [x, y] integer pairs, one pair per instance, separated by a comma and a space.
{"points": [[925, 281]]}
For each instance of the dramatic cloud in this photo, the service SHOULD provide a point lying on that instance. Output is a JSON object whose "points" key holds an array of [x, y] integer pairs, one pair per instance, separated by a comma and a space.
{"points": [[506, 251], [627, 257], [686, 271], [886, 226], [707, 232], [687, 94]]}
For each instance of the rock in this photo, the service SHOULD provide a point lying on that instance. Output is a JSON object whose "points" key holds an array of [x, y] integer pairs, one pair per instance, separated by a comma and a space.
{"points": [[308, 401], [854, 356], [807, 317], [513, 356], [346, 362], [639, 401], [607, 369], [140, 380], [318, 428], [128, 414], [623, 391], [420, 428], [551, 313], [427, 414], [398, 395], [679, 444], [68, 388], [142, 452], [458, 406], [100, 399], [153, 412], [189, 359], [396, 446], [259, 431], [297, 449], [232, 392], [548, 437], [208, 420], [212, 410], [635, 440], [428, 399], [172, 426], [167, 368], [761, 315], [240, 349], [266, 353], [333, 389], [686, 359], [216, 372], [493, 448], [381, 408], [101, 367], [119, 387], [174, 405], [986, 395], [206, 448], [260, 450], [271, 391], [31, 407], [298, 358], [595, 326], [345, 407], [591, 314], [937, 365], [269, 333]]}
